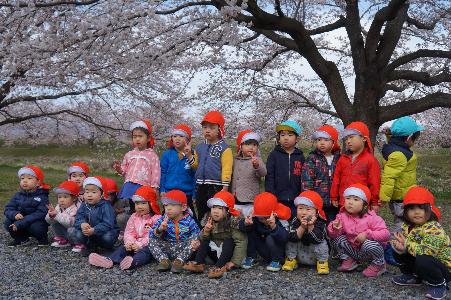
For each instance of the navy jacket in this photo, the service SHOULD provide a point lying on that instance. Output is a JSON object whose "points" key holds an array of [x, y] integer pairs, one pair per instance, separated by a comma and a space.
{"points": [[316, 236], [100, 216], [284, 172], [279, 234], [33, 206]]}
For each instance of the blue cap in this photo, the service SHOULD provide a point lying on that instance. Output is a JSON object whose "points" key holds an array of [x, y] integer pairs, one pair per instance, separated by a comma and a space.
{"points": [[289, 125], [405, 126]]}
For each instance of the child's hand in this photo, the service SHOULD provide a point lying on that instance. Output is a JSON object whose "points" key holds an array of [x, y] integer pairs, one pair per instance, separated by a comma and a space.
{"points": [[85, 226], [134, 247], [255, 162], [400, 237], [304, 223], [361, 238], [229, 266], [88, 231], [272, 221], [163, 225], [300, 231], [18, 217], [334, 202], [248, 220], [128, 247], [13, 227], [337, 224], [209, 226], [187, 150], [52, 210], [376, 208], [195, 244], [117, 166]]}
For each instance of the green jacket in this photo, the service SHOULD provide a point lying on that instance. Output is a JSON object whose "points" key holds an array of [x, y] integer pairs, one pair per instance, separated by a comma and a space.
{"points": [[225, 229]]}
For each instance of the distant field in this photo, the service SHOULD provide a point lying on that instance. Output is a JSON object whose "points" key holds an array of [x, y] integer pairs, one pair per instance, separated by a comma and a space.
{"points": [[434, 168]]}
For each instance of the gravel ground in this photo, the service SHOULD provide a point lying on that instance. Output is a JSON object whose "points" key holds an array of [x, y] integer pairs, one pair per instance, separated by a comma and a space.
{"points": [[33, 272]]}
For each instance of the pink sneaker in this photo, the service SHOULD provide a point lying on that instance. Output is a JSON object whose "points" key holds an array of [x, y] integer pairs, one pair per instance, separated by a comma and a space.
{"points": [[374, 270], [78, 248], [60, 242], [100, 261], [126, 263], [348, 265]]}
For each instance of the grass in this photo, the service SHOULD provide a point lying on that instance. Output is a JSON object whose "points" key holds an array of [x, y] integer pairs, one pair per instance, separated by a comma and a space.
{"points": [[434, 168]]}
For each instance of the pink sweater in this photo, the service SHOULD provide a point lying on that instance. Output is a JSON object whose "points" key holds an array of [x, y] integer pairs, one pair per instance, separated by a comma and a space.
{"points": [[373, 225], [137, 229], [65, 217], [141, 167]]}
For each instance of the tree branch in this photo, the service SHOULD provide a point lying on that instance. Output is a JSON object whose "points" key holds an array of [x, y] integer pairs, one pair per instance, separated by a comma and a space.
{"points": [[183, 6], [422, 77], [420, 25], [329, 27], [51, 4], [420, 53]]}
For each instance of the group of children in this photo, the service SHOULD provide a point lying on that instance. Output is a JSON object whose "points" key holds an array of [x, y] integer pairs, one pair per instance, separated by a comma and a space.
{"points": [[204, 205]]}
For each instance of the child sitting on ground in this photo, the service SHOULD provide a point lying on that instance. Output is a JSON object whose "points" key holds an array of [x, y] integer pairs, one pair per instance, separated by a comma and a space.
{"points": [[25, 212], [175, 235], [95, 222], [266, 234], [220, 238], [62, 216], [121, 206], [307, 242], [140, 166], [358, 234], [423, 249], [248, 170], [135, 251]]}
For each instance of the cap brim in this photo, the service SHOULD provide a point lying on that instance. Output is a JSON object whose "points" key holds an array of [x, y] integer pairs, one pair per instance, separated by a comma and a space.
{"points": [[280, 128], [166, 201], [321, 134], [61, 191], [216, 202], [350, 131]]}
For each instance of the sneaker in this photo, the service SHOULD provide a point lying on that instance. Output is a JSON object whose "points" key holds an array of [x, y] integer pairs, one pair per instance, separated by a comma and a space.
{"points": [[164, 265], [60, 242], [406, 279], [126, 263], [322, 267], [177, 266], [194, 267], [248, 263], [348, 265], [436, 292], [100, 261], [78, 248], [290, 264], [374, 270], [274, 266], [216, 272]]}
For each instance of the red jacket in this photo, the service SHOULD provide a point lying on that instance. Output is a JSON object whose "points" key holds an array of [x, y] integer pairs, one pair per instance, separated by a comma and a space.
{"points": [[364, 169]]}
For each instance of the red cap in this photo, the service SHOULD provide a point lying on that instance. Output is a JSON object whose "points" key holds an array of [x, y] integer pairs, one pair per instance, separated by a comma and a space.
{"points": [[361, 129], [266, 203], [145, 124], [68, 187], [215, 117], [36, 172], [225, 199], [181, 129], [78, 166], [174, 197], [147, 193], [327, 131], [312, 199], [110, 185], [421, 195]]}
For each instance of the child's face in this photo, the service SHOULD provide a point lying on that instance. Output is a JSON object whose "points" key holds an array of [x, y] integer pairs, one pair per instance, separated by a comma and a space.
{"points": [[263, 220], [303, 211], [353, 205], [249, 149], [77, 177], [140, 139], [92, 194], [416, 215], [179, 142], [324, 145], [210, 131], [142, 207], [173, 211], [65, 200], [355, 143], [287, 139], [218, 213], [28, 182]]}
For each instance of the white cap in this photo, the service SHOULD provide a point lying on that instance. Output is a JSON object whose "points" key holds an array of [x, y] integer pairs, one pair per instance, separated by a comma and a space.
{"points": [[93, 181], [216, 201], [321, 134], [303, 200], [179, 132], [138, 124], [353, 191], [251, 136], [73, 169], [350, 131], [25, 170]]}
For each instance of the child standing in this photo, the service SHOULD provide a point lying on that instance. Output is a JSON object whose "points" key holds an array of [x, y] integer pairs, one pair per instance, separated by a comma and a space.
{"points": [[176, 172], [265, 232], [248, 169], [25, 212], [175, 235], [400, 166], [423, 249], [62, 217], [77, 172], [307, 234], [319, 167], [220, 238], [213, 161], [95, 222], [357, 165], [359, 234], [135, 251], [284, 165], [141, 165]]}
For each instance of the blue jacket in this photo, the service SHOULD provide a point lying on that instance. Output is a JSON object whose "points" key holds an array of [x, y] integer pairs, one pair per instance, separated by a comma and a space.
{"points": [[283, 177], [33, 206], [100, 216], [176, 173], [280, 234]]}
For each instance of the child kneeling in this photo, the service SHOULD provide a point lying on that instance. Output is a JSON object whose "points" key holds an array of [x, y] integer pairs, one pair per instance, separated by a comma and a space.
{"points": [[307, 234], [220, 238], [134, 252], [265, 232], [358, 234], [175, 235]]}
